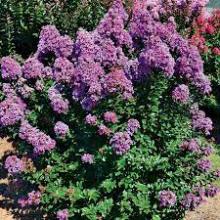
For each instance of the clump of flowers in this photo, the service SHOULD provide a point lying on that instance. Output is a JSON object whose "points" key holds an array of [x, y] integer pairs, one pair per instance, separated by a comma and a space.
{"points": [[181, 94], [62, 214], [61, 129], [14, 165], [87, 158], [167, 198]]}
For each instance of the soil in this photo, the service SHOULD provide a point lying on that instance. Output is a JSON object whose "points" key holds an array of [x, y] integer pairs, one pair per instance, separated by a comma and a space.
{"points": [[207, 211]]}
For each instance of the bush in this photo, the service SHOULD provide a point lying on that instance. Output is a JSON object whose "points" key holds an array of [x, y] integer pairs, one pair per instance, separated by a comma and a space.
{"points": [[205, 35], [108, 126]]}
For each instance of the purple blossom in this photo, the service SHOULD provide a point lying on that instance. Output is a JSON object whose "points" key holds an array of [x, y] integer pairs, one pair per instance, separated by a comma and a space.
{"points": [[181, 94], [8, 89], [190, 145], [33, 199], [212, 191], [91, 120], [10, 69], [32, 68], [39, 85], [14, 165], [191, 201], [103, 130], [87, 158], [25, 91], [167, 198], [12, 110], [207, 151], [217, 173], [157, 56], [116, 81], [63, 70], [39, 140], [132, 126], [121, 142], [200, 122], [63, 214], [110, 117], [112, 25], [58, 103], [204, 165], [64, 46], [61, 129]]}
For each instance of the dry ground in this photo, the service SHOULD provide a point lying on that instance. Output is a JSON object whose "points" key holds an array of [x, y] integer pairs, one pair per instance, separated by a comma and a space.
{"points": [[208, 211]]}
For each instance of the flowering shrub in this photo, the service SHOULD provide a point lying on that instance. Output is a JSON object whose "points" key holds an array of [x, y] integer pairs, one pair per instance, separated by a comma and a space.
{"points": [[206, 30], [109, 122]]}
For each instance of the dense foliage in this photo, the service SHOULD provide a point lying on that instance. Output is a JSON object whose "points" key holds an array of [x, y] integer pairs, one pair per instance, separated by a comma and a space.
{"points": [[108, 126], [21, 21]]}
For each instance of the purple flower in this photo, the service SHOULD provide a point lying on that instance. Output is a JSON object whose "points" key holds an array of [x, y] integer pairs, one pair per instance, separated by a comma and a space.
{"points": [[204, 165], [63, 70], [103, 130], [12, 110], [191, 201], [181, 94], [200, 122], [156, 56], [8, 89], [61, 129], [110, 117], [39, 140], [10, 68], [190, 145], [87, 158], [121, 142], [33, 199], [64, 46], [63, 214], [217, 173], [58, 103], [212, 191], [32, 68], [132, 126], [91, 120], [14, 165], [207, 151], [167, 198]]}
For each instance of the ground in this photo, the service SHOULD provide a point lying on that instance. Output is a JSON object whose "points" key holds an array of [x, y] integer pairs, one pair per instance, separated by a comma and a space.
{"points": [[208, 211]]}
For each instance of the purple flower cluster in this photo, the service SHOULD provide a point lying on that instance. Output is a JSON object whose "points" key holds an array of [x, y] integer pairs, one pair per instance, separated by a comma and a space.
{"points": [[200, 122], [52, 42], [33, 199], [58, 103], [87, 158], [190, 145], [63, 214], [61, 129], [10, 68], [181, 93], [204, 165], [191, 201], [91, 120], [167, 198], [14, 165], [110, 117], [132, 126], [12, 110], [32, 68], [212, 191], [121, 142], [39, 140], [207, 151], [104, 131]]}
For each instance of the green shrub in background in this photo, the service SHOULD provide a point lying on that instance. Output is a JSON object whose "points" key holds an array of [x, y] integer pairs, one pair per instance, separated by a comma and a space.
{"points": [[21, 21]]}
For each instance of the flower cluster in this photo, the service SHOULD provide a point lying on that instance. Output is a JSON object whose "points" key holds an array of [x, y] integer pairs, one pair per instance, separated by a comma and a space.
{"points": [[87, 158], [63, 214], [61, 129], [190, 145], [33, 199], [33, 136], [121, 142], [14, 165], [199, 120], [167, 198], [181, 93]]}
